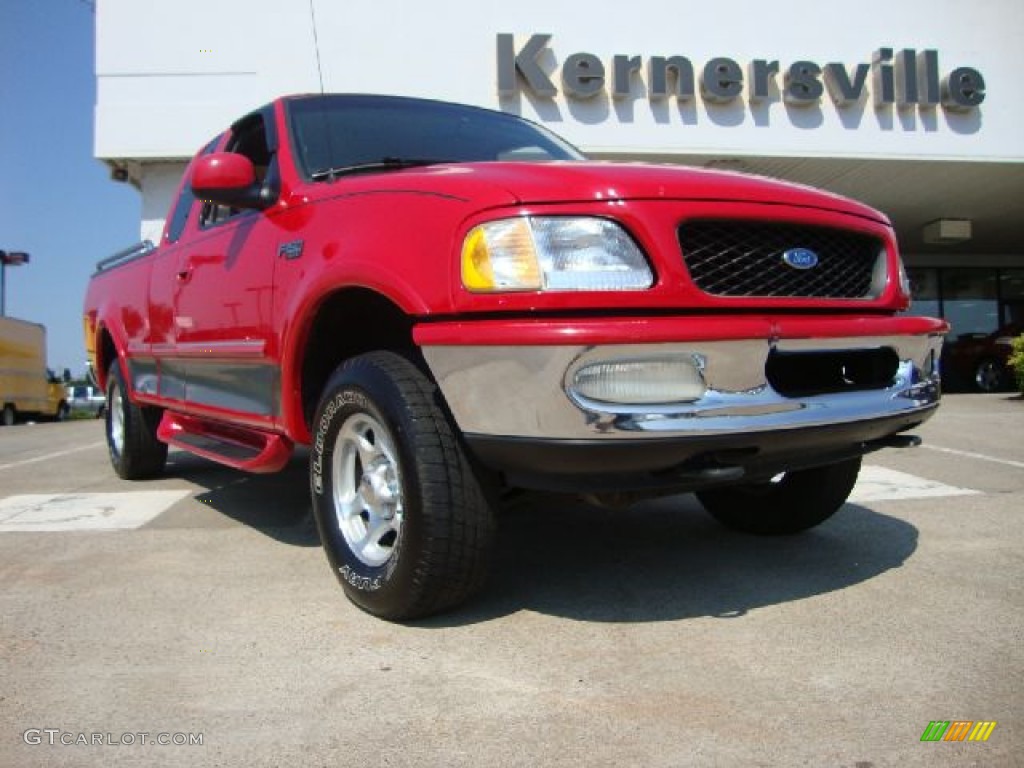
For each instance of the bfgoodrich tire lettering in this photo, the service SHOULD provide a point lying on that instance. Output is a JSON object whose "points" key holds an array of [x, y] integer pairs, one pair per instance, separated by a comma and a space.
{"points": [[404, 523], [135, 452], [790, 504]]}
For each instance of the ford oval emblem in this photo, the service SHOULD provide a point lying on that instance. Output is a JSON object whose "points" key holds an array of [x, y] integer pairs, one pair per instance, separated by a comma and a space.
{"points": [[800, 258]]}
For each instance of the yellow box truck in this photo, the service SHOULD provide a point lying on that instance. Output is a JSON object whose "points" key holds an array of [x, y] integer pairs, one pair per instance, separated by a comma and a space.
{"points": [[27, 388]]}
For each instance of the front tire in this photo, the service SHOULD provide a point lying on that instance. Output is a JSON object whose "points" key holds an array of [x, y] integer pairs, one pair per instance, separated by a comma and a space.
{"points": [[135, 452], [403, 520], [785, 505]]}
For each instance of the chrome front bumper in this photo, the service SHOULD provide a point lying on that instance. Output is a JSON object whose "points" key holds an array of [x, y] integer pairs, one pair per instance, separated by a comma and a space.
{"points": [[525, 392]]}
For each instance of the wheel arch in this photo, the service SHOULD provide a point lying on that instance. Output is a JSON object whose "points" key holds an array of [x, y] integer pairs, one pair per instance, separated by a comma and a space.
{"points": [[106, 353], [321, 344]]}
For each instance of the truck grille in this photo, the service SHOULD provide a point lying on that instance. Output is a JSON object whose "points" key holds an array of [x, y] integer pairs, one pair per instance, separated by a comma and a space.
{"points": [[745, 258]]}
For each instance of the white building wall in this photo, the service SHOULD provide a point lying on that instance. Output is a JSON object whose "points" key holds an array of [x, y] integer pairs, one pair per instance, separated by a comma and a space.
{"points": [[451, 54], [173, 73], [159, 183], [162, 95]]}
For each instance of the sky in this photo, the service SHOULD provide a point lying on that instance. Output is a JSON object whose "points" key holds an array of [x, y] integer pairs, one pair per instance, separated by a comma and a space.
{"points": [[57, 202]]}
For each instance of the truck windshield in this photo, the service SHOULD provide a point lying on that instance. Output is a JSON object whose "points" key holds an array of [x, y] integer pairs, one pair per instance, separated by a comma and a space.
{"points": [[335, 135]]}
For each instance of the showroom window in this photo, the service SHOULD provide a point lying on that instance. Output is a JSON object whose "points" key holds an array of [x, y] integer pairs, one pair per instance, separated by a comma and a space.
{"points": [[1011, 292], [970, 300], [924, 287], [974, 300]]}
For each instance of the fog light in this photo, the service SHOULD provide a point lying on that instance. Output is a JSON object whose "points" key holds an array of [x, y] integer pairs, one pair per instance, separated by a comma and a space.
{"points": [[640, 381]]}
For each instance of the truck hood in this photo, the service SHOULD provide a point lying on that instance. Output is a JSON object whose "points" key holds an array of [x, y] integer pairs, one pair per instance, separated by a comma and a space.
{"points": [[540, 183]]}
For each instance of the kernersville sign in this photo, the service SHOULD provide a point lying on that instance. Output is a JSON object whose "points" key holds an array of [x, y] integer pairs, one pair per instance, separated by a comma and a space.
{"points": [[905, 78]]}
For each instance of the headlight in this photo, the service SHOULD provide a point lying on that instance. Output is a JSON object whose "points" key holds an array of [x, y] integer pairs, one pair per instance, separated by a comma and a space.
{"points": [[552, 253]]}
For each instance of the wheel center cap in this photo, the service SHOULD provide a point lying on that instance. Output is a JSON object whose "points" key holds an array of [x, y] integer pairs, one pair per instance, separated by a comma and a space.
{"points": [[377, 489]]}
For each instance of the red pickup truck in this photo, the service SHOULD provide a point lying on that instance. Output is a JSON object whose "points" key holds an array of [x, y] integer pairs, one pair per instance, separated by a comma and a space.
{"points": [[446, 302]]}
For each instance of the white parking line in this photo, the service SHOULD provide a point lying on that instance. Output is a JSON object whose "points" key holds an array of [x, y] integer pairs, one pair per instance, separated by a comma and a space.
{"points": [[881, 484], [48, 456], [84, 511], [120, 511], [979, 456]]}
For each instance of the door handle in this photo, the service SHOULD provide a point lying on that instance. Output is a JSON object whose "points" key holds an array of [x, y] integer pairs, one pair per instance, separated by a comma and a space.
{"points": [[185, 275]]}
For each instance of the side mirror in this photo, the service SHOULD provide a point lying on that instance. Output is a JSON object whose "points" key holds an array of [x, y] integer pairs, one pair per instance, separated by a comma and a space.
{"points": [[227, 179]]}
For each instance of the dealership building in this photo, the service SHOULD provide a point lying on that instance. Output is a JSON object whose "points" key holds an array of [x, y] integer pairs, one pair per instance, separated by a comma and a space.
{"points": [[914, 107]]}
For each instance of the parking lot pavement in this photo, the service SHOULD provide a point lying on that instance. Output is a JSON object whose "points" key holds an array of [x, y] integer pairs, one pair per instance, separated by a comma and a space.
{"points": [[643, 637]]}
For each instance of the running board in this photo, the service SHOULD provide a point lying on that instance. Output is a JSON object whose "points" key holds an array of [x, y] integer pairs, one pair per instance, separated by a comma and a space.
{"points": [[246, 449]]}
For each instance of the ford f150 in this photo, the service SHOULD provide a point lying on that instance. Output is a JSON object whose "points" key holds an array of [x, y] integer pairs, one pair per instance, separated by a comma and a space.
{"points": [[445, 302]]}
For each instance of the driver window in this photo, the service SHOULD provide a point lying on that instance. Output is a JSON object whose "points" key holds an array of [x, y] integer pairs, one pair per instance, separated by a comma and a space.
{"points": [[248, 138]]}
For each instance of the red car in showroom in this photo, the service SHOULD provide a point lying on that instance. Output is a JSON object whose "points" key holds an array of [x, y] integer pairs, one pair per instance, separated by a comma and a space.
{"points": [[981, 360]]}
